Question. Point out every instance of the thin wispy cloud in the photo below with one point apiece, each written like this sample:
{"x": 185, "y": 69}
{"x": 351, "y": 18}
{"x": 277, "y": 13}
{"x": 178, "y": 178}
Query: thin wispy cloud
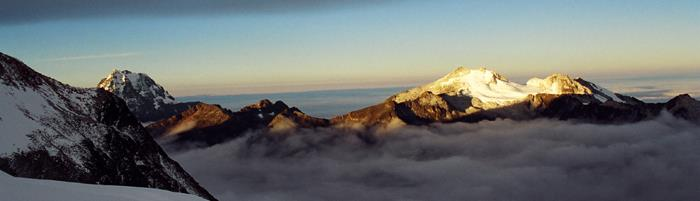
{"x": 95, "y": 56}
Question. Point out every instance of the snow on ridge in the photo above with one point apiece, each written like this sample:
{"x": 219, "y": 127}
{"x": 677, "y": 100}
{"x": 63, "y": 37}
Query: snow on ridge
{"x": 491, "y": 87}
{"x": 606, "y": 92}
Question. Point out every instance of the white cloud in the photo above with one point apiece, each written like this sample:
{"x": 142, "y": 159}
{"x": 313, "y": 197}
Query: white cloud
{"x": 500, "y": 160}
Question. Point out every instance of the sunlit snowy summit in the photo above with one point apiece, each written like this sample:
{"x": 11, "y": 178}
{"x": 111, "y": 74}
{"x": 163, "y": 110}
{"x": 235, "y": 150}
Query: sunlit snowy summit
{"x": 148, "y": 100}
{"x": 496, "y": 90}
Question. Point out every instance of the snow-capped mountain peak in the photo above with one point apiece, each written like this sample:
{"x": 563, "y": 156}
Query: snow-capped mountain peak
{"x": 496, "y": 90}
{"x": 136, "y": 86}
{"x": 146, "y": 99}
{"x": 557, "y": 84}
{"x": 481, "y": 75}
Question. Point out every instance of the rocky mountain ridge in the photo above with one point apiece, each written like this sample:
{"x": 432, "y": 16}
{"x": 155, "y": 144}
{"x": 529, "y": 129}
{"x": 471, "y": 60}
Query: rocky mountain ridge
{"x": 466, "y": 95}
{"x": 211, "y": 124}
{"x": 54, "y": 131}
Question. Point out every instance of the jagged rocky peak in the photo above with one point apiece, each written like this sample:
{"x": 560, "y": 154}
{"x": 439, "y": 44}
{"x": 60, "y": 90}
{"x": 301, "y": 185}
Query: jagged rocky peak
{"x": 208, "y": 124}
{"x": 683, "y": 99}
{"x": 684, "y": 106}
{"x": 558, "y": 84}
{"x": 133, "y": 87}
{"x": 495, "y": 90}
{"x": 49, "y": 130}
{"x": 292, "y": 119}
{"x": 266, "y": 105}
{"x": 148, "y": 100}
{"x": 201, "y": 115}
{"x": 483, "y": 74}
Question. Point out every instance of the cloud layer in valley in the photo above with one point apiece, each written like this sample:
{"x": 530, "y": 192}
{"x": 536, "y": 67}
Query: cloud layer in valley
{"x": 26, "y": 11}
{"x": 499, "y": 160}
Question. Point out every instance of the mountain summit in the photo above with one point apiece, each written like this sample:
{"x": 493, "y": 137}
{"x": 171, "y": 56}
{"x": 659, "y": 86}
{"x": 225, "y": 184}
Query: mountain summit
{"x": 138, "y": 87}
{"x": 496, "y": 91}
{"x": 146, "y": 99}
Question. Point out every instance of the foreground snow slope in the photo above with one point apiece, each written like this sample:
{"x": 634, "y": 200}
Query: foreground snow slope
{"x": 15, "y": 188}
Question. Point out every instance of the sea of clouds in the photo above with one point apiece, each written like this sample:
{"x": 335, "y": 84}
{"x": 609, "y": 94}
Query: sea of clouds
{"x": 497, "y": 160}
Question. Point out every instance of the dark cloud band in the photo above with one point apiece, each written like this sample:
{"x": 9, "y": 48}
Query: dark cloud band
{"x": 27, "y": 11}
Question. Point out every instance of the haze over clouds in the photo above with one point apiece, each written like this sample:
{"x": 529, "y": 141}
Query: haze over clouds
{"x": 499, "y": 160}
{"x": 22, "y": 11}
{"x": 659, "y": 88}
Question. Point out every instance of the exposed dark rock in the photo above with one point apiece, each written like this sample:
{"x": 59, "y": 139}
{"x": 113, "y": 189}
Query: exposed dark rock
{"x": 207, "y": 124}
{"x": 685, "y": 107}
{"x": 81, "y": 135}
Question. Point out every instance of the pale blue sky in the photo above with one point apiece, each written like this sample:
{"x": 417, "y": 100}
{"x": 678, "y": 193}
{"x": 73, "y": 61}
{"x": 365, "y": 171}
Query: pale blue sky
{"x": 349, "y": 46}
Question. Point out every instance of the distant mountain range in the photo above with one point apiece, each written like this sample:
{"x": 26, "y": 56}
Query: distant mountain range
{"x": 464, "y": 95}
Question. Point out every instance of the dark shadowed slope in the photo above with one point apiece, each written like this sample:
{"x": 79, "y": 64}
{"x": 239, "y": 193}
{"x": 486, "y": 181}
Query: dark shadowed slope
{"x": 54, "y": 131}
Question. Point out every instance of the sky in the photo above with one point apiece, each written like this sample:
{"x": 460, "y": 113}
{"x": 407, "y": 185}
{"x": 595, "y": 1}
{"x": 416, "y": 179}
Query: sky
{"x": 241, "y": 46}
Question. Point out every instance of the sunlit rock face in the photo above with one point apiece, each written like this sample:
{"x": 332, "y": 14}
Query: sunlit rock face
{"x": 207, "y": 124}
{"x": 291, "y": 119}
{"x": 200, "y": 116}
